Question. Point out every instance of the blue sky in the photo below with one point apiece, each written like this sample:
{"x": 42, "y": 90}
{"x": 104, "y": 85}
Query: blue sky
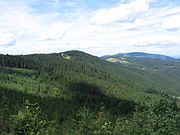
{"x": 97, "y": 27}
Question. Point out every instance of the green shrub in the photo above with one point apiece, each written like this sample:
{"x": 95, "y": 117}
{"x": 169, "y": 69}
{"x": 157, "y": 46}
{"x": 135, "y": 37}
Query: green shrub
{"x": 160, "y": 117}
{"x": 29, "y": 121}
{"x": 90, "y": 123}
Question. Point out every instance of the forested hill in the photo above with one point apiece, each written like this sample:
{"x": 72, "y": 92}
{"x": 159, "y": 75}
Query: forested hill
{"x": 142, "y": 54}
{"x": 132, "y": 72}
{"x": 83, "y": 94}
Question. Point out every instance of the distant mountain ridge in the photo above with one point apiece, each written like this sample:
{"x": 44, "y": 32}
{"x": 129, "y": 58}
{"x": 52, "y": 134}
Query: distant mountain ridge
{"x": 142, "y": 54}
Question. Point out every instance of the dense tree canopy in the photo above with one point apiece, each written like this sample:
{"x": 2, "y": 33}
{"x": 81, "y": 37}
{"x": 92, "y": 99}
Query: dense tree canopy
{"x": 85, "y": 95}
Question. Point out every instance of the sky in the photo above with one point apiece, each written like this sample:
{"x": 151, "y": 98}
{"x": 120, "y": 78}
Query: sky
{"x": 98, "y": 27}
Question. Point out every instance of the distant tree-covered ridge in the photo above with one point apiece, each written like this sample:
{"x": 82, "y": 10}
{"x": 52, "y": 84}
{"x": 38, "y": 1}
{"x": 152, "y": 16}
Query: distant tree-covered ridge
{"x": 74, "y": 93}
{"x": 142, "y": 54}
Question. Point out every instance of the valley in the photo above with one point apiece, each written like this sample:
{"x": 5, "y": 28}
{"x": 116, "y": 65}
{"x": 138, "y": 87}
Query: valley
{"x": 77, "y": 93}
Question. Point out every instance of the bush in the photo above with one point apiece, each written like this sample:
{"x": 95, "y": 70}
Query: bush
{"x": 160, "y": 117}
{"x": 29, "y": 121}
{"x": 90, "y": 123}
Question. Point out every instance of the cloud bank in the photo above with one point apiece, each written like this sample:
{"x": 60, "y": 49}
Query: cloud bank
{"x": 54, "y": 26}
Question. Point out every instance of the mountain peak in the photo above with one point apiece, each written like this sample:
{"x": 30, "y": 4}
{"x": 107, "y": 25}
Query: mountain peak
{"x": 143, "y": 54}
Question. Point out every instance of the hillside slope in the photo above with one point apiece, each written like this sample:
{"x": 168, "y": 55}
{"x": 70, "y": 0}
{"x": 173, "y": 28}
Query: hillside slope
{"x": 142, "y": 54}
{"x": 127, "y": 73}
{"x": 64, "y": 83}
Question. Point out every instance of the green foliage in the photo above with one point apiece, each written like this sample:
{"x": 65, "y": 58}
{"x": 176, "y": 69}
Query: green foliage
{"x": 4, "y": 116}
{"x": 159, "y": 117}
{"x": 89, "y": 123}
{"x": 159, "y": 74}
{"x": 29, "y": 121}
{"x": 62, "y": 86}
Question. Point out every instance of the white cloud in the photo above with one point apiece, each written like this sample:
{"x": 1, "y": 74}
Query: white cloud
{"x": 123, "y": 12}
{"x": 53, "y": 31}
{"x": 30, "y": 30}
{"x": 70, "y": 4}
{"x": 59, "y": 3}
{"x": 47, "y": 32}
{"x": 172, "y": 22}
{"x": 6, "y": 38}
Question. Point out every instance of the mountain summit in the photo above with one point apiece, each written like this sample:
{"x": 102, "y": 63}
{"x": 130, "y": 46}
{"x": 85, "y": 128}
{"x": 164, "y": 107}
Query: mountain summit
{"x": 142, "y": 54}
